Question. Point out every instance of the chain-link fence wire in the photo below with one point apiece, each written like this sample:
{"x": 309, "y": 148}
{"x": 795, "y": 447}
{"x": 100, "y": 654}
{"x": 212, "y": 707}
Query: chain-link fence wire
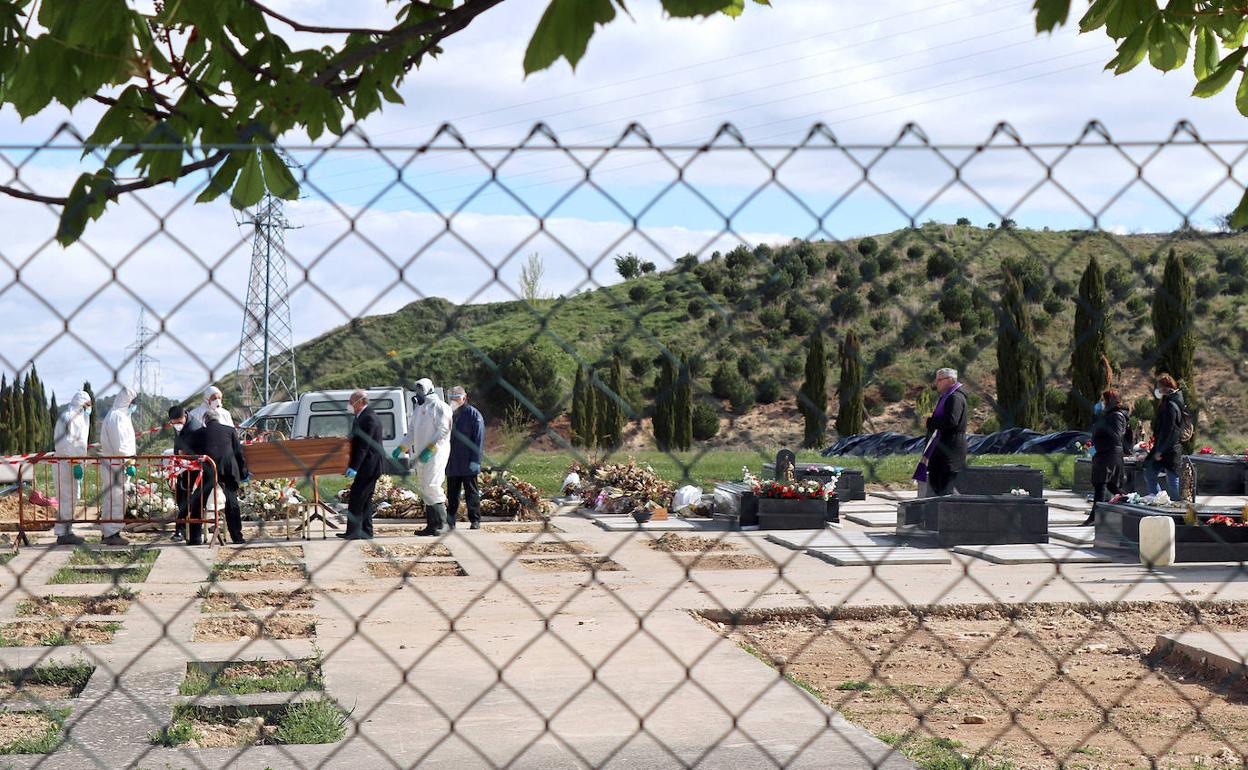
{"x": 733, "y": 320}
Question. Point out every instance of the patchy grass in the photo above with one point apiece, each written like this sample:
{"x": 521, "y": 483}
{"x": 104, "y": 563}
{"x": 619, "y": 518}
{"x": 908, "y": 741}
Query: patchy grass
{"x": 31, "y": 732}
{"x": 314, "y": 721}
{"x": 51, "y": 681}
{"x": 36, "y": 633}
{"x": 265, "y": 570}
{"x": 247, "y": 677}
{"x": 216, "y": 600}
{"x": 107, "y": 574}
{"x": 305, "y": 722}
{"x": 384, "y": 569}
{"x": 129, "y": 557}
{"x": 939, "y": 754}
{"x": 279, "y": 625}
{"x": 115, "y": 602}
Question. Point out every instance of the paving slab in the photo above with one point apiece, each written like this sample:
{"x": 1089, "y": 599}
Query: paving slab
{"x": 879, "y": 556}
{"x": 1060, "y": 518}
{"x": 1069, "y": 505}
{"x": 628, "y": 524}
{"x": 894, "y": 494}
{"x": 1225, "y": 653}
{"x": 1032, "y": 553}
{"x": 1076, "y": 535}
{"x": 887, "y": 519}
{"x": 804, "y": 539}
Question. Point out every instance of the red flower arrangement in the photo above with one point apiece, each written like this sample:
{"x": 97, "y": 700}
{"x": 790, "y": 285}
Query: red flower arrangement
{"x": 1206, "y": 450}
{"x": 1226, "y": 521}
{"x": 799, "y": 490}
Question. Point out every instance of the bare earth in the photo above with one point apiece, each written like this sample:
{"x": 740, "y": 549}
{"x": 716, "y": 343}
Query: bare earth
{"x": 1056, "y": 667}
{"x": 219, "y": 601}
{"x": 526, "y": 528}
{"x": 280, "y": 625}
{"x": 416, "y": 569}
{"x": 670, "y": 541}
{"x": 261, "y": 553}
{"x": 404, "y": 550}
{"x": 31, "y": 633}
{"x": 726, "y": 561}
{"x": 573, "y": 564}
{"x": 37, "y": 693}
{"x": 550, "y": 546}
{"x": 268, "y": 570}
{"x": 248, "y": 731}
{"x": 72, "y": 606}
{"x": 18, "y": 725}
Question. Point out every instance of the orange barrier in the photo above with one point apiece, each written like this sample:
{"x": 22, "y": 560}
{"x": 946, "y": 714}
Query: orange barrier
{"x": 115, "y": 490}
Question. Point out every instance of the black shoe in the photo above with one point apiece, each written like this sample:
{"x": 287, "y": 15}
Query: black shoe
{"x": 426, "y": 533}
{"x": 347, "y": 536}
{"x": 1090, "y": 521}
{"x": 475, "y": 525}
{"x": 177, "y": 537}
{"x": 239, "y": 541}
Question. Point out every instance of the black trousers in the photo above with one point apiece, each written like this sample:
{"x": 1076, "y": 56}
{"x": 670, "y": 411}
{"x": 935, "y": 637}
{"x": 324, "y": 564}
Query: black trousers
{"x": 360, "y": 507}
{"x": 472, "y": 498}
{"x": 233, "y": 512}
{"x": 941, "y": 480}
{"x": 190, "y": 502}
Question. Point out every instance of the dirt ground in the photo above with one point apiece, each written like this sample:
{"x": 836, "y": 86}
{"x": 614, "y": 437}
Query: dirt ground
{"x": 549, "y": 546}
{"x": 19, "y": 725}
{"x": 261, "y": 553}
{"x": 72, "y": 606}
{"x": 209, "y": 734}
{"x": 1055, "y": 670}
{"x": 526, "y": 528}
{"x": 268, "y": 570}
{"x": 385, "y": 569}
{"x": 34, "y": 633}
{"x": 219, "y": 601}
{"x": 280, "y": 625}
{"x": 9, "y": 692}
{"x": 404, "y": 550}
{"x": 725, "y": 561}
{"x": 670, "y": 541}
{"x": 573, "y": 564}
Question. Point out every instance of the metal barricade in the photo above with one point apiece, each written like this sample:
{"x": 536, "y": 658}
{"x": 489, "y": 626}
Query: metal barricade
{"x": 134, "y": 492}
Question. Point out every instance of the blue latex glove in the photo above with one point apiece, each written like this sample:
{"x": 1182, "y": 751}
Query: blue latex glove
{"x": 474, "y": 467}
{"x": 247, "y": 479}
{"x": 397, "y": 453}
{"x": 78, "y": 474}
{"x": 351, "y": 472}
{"x": 426, "y": 455}
{"x": 130, "y": 471}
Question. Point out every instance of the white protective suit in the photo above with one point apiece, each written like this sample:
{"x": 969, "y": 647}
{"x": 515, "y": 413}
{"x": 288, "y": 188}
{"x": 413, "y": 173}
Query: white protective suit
{"x": 429, "y": 424}
{"x": 116, "y": 439}
{"x": 195, "y": 417}
{"x": 70, "y": 435}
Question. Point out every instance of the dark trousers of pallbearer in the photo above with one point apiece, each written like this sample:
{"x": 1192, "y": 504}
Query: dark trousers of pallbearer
{"x": 472, "y": 499}
{"x": 190, "y": 501}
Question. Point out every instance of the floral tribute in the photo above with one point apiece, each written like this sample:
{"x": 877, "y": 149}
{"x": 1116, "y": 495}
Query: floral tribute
{"x": 808, "y": 489}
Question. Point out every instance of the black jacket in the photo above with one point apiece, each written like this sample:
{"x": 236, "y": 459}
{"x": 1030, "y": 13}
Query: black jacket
{"x": 1109, "y": 431}
{"x": 220, "y": 442}
{"x": 366, "y": 438}
{"x": 1166, "y": 428}
{"x": 951, "y": 446}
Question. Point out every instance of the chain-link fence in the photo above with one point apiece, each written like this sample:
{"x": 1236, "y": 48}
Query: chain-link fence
{"x": 642, "y": 574}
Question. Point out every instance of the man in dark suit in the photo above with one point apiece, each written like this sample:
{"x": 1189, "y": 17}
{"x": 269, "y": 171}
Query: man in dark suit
{"x": 948, "y": 421}
{"x": 188, "y": 496}
{"x": 220, "y": 442}
{"x": 467, "y": 438}
{"x": 365, "y": 468}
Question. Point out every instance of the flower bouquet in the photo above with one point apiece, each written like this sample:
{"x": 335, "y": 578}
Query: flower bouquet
{"x": 391, "y": 500}
{"x": 268, "y": 499}
{"x": 622, "y": 487}
{"x": 506, "y": 494}
{"x": 147, "y": 500}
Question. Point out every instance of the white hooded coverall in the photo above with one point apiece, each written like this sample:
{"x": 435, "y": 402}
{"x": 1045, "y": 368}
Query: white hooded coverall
{"x": 116, "y": 439}
{"x": 195, "y": 417}
{"x": 430, "y": 424}
{"x": 70, "y": 436}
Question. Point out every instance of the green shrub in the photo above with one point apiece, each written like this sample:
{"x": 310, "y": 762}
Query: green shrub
{"x": 741, "y": 396}
{"x": 705, "y": 421}
{"x": 768, "y": 390}
{"x": 723, "y": 379}
{"x": 889, "y": 261}
{"x": 877, "y": 294}
{"x": 940, "y": 264}
{"x": 712, "y": 280}
{"x": 914, "y": 252}
{"x": 695, "y": 307}
{"x": 868, "y": 269}
{"x": 771, "y": 316}
{"x": 892, "y": 390}
{"x": 868, "y": 246}
{"x": 801, "y": 321}
{"x": 639, "y": 292}
{"x": 1054, "y": 305}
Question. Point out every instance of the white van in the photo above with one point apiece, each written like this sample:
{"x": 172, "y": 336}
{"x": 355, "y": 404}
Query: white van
{"x": 324, "y": 413}
{"x": 277, "y": 417}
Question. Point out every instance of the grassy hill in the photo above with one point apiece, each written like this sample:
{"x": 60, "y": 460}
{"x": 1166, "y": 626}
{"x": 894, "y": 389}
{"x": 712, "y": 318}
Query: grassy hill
{"x": 918, "y": 299}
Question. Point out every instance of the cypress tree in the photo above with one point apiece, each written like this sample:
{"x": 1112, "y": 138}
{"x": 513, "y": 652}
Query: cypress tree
{"x": 1088, "y": 377}
{"x": 812, "y": 399}
{"x": 29, "y": 398}
{"x": 40, "y": 433}
{"x": 576, "y": 417}
{"x": 849, "y": 392}
{"x": 53, "y": 413}
{"x": 1172, "y": 326}
{"x": 93, "y": 432}
{"x": 682, "y": 418}
{"x": 1020, "y": 398}
{"x": 615, "y": 409}
{"x": 17, "y": 410}
{"x": 6, "y": 434}
{"x": 664, "y": 394}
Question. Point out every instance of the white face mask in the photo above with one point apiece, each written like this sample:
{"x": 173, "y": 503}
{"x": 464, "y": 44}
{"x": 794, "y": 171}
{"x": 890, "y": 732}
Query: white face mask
{"x": 215, "y": 403}
{"x": 1157, "y": 393}
{"x": 178, "y": 426}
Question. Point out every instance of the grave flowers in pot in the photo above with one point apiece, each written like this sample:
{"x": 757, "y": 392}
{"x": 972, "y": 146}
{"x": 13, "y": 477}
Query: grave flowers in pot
{"x": 784, "y": 504}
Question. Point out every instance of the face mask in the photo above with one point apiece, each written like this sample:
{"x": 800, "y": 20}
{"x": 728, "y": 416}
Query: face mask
{"x": 420, "y": 399}
{"x": 178, "y": 426}
{"x": 456, "y": 403}
{"x": 215, "y": 403}
{"x": 132, "y": 409}
{"x": 86, "y": 410}
{"x": 1098, "y": 408}
{"x": 1157, "y": 393}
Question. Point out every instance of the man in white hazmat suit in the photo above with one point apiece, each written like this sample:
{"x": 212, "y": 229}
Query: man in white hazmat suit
{"x": 116, "y": 440}
{"x": 212, "y": 400}
{"x": 428, "y": 441}
{"x": 70, "y": 434}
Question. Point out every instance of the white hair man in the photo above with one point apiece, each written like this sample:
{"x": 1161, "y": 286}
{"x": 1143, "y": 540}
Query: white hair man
{"x": 945, "y": 455}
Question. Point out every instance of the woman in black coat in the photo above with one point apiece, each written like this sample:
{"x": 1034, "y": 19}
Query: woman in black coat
{"x": 1109, "y": 440}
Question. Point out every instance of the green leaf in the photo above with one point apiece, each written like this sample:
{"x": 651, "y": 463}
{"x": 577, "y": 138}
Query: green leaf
{"x": 1130, "y": 51}
{"x": 277, "y": 176}
{"x": 1123, "y": 18}
{"x": 249, "y": 188}
{"x": 1167, "y": 44}
{"x": 1241, "y": 95}
{"x": 1239, "y": 217}
{"x": 688, "y": 8}
{"x": 564, "y": 31}
{"x": 1220, "y": 77}
{"x": 222, "y": 179}
{"x": 1051, "y": 14}
{"x": 1206, "y": 59}
{"x": 1096, "y": 15}
{"x": 86, "y": 201}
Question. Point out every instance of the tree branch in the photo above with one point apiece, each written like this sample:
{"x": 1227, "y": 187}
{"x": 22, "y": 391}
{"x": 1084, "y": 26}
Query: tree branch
{"x": 448, "y": 23}
{"x": 299, "y": 26}
{"x": 118, "y": 190}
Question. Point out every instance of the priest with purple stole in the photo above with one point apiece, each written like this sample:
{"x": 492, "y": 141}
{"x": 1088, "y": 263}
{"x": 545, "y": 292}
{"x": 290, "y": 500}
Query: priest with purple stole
{"x": 945, "y": 453}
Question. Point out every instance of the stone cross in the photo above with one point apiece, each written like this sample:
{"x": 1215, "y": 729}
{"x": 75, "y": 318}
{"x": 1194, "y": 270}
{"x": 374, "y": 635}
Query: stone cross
{"x": 785, "y": 464}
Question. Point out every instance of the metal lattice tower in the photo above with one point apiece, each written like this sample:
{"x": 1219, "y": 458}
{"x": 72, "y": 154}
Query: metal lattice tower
{"x": 266, "y": 356}
{"x": 146, "y": 376}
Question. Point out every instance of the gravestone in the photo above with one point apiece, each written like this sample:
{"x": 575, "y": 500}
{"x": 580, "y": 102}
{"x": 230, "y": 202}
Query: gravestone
{"x": 786, "y": 465}
{"x": 1132, "y": 481}
{"x": 959, "y": 519}
{"x": 851, "y": 484}
{"x": 1000, "y": 480}
{"x": 1118, "y": 526}
{"x": 736, "y": 504}
{"x": 1219, "y": 475}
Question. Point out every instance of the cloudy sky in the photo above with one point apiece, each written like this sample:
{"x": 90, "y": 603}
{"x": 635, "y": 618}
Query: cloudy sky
{"x": 955, "y": 69}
